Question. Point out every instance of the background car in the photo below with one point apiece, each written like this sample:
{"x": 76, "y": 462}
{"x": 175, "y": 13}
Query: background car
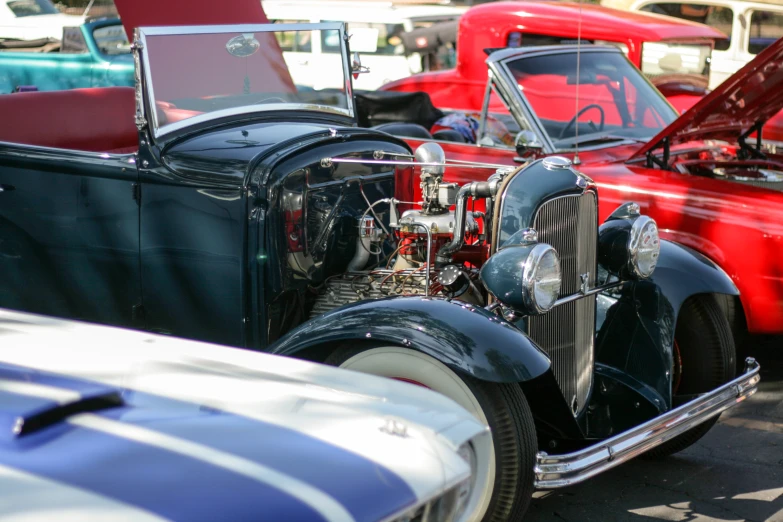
{"x": 382, "y": 22}
{"x": 101, "y": 423}
{"x": 750, "y": 26}
{"x": 255, "y": 212}
{"x": 95, "y": 54}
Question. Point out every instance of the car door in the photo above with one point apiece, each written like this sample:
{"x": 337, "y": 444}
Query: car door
{"x": 69, "y": 233}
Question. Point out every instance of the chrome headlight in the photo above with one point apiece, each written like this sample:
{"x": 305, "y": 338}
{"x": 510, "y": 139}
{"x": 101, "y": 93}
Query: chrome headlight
{"x": 628, "y": 243}
{"x": 524, "y": 277}
{"x": 644, "y": 247}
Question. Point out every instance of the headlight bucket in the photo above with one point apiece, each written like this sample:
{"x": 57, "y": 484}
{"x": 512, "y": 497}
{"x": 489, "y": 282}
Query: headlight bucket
{"x": 524, "y": 277}
{"x": 628, "y": 244}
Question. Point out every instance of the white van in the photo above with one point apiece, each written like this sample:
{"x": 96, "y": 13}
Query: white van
{"x": 384, "y": 20}
{"x": 750, "y": 26}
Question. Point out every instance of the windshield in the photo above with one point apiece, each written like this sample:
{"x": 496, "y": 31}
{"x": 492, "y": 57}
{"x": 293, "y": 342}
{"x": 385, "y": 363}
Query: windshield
{"x": 615, "y": 100}
{"x": 31, "y": 7}
{"x": 194, "y": 74}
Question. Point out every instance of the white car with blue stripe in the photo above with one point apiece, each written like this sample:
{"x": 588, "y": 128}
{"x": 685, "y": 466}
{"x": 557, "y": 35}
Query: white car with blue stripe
{"x": 99, "y": 423}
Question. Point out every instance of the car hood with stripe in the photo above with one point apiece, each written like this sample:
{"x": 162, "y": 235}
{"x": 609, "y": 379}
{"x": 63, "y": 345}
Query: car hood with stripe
{"x": 200, "y": 429}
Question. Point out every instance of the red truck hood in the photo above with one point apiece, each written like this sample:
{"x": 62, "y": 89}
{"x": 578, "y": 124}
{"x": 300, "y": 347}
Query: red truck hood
{"x": 148, "y": 13}
{"x": 753, "y": 94}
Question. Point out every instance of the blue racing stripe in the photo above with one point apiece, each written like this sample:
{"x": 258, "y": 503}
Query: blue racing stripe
{"x": 367, "y": 490}
{"x": 165, "y": 483}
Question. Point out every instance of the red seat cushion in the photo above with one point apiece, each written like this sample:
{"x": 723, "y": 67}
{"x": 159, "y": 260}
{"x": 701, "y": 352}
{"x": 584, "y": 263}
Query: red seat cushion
{"x": 100, "y": 119}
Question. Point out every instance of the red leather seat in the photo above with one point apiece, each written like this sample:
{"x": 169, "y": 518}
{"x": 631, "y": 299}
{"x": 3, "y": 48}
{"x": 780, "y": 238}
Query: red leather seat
{"x": 99, "y": 119}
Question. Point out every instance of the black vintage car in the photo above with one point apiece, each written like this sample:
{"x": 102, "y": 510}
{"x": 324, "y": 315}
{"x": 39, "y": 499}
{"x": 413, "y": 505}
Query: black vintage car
{"x": 232, "y": 198}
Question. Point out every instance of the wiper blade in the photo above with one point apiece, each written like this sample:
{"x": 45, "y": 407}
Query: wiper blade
{"x": 611, "y": 137}
{"x": 603, "y": 138}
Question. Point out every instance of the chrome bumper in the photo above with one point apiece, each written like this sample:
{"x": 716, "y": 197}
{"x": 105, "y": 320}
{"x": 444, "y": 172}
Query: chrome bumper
{"x": 556, "y": 471}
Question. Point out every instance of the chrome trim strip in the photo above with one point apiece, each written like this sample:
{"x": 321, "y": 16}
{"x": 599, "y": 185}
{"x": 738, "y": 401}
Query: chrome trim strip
{"x": 556, "y": 471}
{"x": 592, "y": 291}
{"x": 467, "y": 165}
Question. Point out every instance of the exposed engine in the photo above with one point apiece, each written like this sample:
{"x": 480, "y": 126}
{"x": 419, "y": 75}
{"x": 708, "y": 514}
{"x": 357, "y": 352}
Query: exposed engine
{"x": 728, "y": 163}
{"x": 438, "y": 251}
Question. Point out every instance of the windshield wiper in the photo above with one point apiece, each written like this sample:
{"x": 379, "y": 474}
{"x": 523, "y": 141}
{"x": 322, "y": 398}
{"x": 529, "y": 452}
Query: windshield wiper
{"x": 601, "y": 139}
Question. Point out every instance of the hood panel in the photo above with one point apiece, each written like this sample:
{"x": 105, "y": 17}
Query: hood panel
{"x": 209, "y": 387}
{"x": 753, "y": 94}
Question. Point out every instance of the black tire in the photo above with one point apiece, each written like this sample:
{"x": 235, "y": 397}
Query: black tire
{"x": 707, "y": 359}
{"x": 507, "y": 413}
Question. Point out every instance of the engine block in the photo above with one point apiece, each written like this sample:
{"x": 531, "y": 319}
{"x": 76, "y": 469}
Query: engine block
{"x": 350, "y": 287}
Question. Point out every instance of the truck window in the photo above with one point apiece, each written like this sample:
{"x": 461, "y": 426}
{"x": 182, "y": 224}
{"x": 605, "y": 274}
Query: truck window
{"x": 519, "y": 39}
{"x": 111, "y": 40}
{"x": 765, "y": 28}
{"x": 389, "y": 41}
{"x": 715, "y": 16}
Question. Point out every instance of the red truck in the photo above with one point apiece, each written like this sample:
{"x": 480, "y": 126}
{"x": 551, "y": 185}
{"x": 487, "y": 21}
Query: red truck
{"x": 674, "y": 54}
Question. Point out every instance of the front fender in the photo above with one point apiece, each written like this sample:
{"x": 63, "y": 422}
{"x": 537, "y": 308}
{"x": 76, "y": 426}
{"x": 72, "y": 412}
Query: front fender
{"x": 636, "y": 324}
{"x": 468, "y": 339}
{"x": 682, "y": 272}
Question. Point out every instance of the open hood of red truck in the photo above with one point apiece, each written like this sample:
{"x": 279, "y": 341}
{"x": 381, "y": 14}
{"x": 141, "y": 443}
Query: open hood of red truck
{"x": 751, "y": 96}
{"x": 148, "y": 13}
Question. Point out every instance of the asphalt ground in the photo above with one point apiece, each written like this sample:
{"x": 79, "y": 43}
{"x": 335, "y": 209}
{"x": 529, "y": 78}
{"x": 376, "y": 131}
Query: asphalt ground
{"x": 735, "y": 473}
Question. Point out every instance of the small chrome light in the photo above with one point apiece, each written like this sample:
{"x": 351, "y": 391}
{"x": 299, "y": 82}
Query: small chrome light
{"x": 524, "y": 277}
{"x": 644, "y": 247}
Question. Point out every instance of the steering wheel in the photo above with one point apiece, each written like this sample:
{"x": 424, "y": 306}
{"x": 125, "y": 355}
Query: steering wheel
{"x": 573, "y": 120}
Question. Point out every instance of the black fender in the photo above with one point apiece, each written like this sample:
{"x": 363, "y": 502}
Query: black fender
{"x": 636, "y": 325}
{"x": 682, "y": 272}
{"x": 466, "y": 338}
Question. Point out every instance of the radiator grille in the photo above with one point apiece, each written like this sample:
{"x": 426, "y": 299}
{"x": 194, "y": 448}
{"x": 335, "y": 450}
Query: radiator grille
{"x": 567, "y": 332}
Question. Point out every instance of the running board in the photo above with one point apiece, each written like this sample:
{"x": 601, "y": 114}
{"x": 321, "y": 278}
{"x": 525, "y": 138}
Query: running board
{"x": 557, "y": 471}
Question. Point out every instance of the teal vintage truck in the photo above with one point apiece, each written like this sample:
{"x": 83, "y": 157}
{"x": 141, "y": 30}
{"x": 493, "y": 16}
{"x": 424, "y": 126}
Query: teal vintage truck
{"x": 95, "y": 54}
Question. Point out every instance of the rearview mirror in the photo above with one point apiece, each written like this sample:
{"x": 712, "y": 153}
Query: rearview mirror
{"x": 527, "y": 143}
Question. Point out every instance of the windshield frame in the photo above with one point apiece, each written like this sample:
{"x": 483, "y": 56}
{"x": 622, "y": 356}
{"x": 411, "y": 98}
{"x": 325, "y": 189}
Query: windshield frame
{"x": 521, "y": 108}
{"x": 149, "y": 91}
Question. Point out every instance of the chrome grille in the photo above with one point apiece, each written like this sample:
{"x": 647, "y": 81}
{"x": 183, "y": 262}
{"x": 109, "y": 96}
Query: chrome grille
{"x": 567, "y": 332}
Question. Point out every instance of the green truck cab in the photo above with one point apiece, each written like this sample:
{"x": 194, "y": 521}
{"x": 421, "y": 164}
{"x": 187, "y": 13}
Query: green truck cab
{"x": 95, "y": 54}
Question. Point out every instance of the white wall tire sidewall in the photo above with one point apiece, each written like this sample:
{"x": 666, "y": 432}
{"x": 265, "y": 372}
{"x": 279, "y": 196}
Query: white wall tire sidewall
{"x": 396, "y": 362}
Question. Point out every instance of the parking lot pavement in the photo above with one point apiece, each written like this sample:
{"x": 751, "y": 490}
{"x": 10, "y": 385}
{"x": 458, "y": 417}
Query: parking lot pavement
{"x": 735, "y": 473}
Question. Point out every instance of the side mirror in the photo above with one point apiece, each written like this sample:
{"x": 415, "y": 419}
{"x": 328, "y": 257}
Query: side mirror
{"x": 356, "y": 66}
{"x": 526, "y": 143}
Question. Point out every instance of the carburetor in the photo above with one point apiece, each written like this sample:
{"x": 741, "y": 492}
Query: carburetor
{"x": 434, "y": 223}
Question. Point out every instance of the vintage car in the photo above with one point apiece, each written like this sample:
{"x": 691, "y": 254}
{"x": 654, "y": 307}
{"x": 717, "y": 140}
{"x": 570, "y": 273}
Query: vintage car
{"x": 704, "y": 176}
{"x": 673, "y": 54}
{"x": 33, "y": 19}
{"x": 95, "y": 54}
{"x": 100, "y": 424}
{"x": 224, "y": 200}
